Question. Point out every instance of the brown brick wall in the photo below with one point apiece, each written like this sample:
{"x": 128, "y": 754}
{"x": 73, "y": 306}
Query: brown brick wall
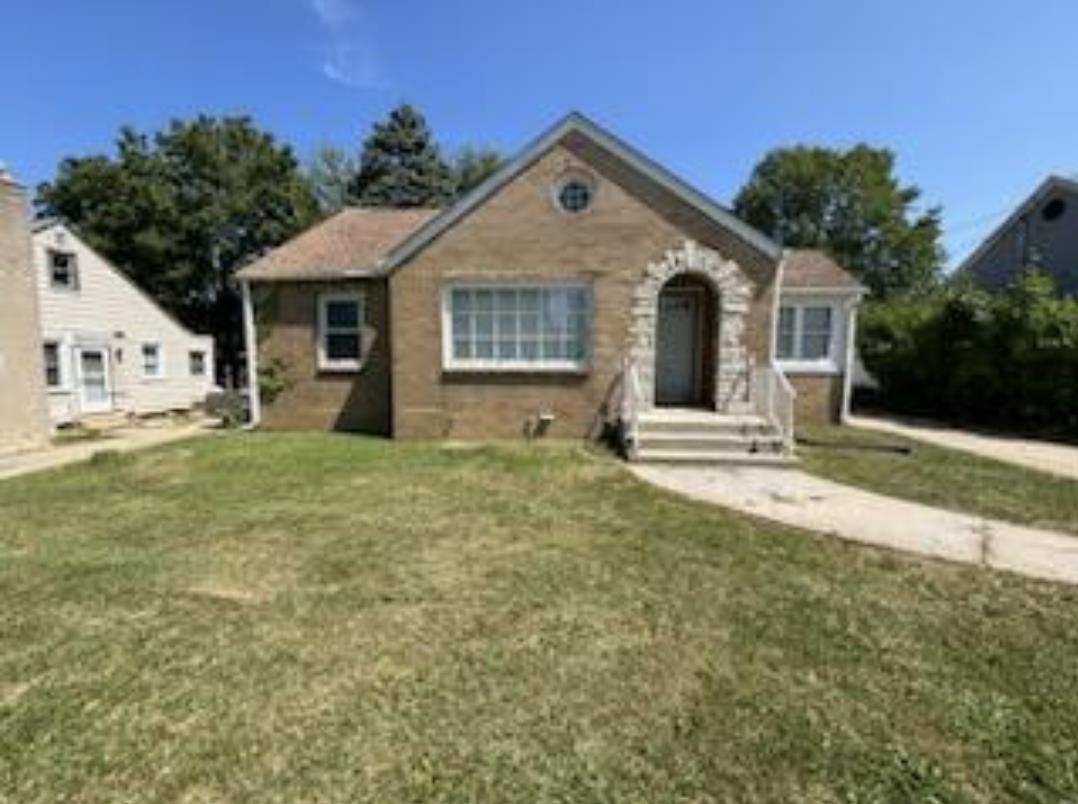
{"x": 819, "y": 398}
{"x": 287, "y": 321}
{"x": 520, "y": 234}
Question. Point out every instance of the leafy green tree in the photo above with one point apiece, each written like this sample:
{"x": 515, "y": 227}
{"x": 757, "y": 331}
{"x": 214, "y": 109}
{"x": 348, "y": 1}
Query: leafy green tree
{"x": 472, "y": 166}
{"x": 850, "y": 203}
{"x": 180, "y": 211}
{"x": 330, "y": 172}
{"x": 401, "y": 165}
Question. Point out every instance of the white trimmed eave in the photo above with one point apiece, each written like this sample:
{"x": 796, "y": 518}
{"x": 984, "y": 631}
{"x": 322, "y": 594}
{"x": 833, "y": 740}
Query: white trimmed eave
{"x": 577, "y": 123}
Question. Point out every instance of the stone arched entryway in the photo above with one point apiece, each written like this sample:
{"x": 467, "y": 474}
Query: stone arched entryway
{"x": 728, "y": 365}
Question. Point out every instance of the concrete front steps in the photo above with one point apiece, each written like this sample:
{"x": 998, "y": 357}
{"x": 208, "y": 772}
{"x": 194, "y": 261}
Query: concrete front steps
{"x": 687, "y": 436}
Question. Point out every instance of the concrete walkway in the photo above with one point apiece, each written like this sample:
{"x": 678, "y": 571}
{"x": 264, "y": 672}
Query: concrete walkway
{"x": 796, "y": 498}
{"x": 1059, "y": 459}
{"x": 124, "y": 439}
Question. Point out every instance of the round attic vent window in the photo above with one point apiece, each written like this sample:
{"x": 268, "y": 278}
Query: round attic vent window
{"x": 575, "y": 195}
{"x": 1054, "y": 209}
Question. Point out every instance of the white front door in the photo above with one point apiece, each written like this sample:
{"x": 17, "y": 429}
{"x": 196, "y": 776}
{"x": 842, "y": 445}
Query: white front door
{"x": 677, "y": 349}
{"x": 92, "y": 367}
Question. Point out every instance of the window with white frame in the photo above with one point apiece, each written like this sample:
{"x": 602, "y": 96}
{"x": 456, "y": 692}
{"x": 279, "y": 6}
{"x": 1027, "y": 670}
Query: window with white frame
{"x": 63, "y": 269}
{"x": 151, "y": 360}
{"x": 54, "y": 376}
{"x": 806, "y": 333}
{"x": 196, "y": 361}
{"x": 340, "y": 325}
{"x": 543, "y": 327}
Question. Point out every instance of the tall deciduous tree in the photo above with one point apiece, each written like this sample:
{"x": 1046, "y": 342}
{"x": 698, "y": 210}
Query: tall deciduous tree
{"x": 181, "y": 210}
{"x": 401, "y": 165}
{"x": 850, "y": 203}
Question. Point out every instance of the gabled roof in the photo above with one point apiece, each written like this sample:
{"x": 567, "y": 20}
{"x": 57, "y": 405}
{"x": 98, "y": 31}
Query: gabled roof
{"x": 576, "y": 123}
{"x": 1052, "y": 184}
{"x": 814, "y": 269}
{"x": 349, "y": 243}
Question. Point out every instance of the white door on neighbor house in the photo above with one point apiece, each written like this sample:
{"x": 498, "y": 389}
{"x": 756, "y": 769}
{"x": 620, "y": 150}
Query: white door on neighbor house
{"x": 92, "y": 377}
{"x": 677, "y": 347}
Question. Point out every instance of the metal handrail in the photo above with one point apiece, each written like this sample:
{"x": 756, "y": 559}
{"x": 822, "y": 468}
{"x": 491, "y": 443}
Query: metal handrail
{"x": 773, "y": 398}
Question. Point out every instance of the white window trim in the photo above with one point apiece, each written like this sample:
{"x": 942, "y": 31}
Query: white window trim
{"x": 513, "y": 366}
{"x": 160, "y": 375}
{"x": 64, "y": 386}
{"x": 325, "y": 362}
{"x": 191, "y": 353}
{"x": 73, "y": 270}
{"x": 830, "y": 364}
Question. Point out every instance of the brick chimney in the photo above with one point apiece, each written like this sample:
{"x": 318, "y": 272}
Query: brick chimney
{"x": 24, "y": 420}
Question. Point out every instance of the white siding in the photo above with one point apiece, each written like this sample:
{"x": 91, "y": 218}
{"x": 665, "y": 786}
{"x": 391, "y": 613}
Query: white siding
{"x": 107, "y": 310}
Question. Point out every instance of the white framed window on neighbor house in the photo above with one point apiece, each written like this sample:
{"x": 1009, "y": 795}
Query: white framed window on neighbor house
{"x": 196, "y": 362}
{"x": 807, "y": 336}
{"x": 340, "y": 331}
{"x": 63, "y": 269}
{"x": 516, "y": 327}
{"x": 54, "y": 370}
{"x": 153, "y": 362}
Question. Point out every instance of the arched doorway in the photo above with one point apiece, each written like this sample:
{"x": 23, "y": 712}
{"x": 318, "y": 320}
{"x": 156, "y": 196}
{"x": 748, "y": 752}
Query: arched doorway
{"x": 685, "y": 342}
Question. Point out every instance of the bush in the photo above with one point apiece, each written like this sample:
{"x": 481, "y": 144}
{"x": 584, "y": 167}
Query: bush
{"x": 1007, "y": 358}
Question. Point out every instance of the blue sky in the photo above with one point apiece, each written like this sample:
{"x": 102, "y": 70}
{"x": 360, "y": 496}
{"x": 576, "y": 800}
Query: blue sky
{"x": 978, "y": 99}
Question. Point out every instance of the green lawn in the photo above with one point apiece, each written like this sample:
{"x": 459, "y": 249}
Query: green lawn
{"x": 942, "y": 477}
{"x": 320, "y": 618}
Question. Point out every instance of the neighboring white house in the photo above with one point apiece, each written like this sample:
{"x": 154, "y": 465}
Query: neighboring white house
{"x": 108, "y": 347}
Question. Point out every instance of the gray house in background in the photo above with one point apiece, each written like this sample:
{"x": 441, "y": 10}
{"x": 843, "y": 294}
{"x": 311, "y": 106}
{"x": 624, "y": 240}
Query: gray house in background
{"x": 1042, "y": 232}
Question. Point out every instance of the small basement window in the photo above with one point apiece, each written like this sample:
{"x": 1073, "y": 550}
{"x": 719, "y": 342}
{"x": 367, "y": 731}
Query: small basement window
{"x": 63, "y": 270}
{"x": 340, "y": 323}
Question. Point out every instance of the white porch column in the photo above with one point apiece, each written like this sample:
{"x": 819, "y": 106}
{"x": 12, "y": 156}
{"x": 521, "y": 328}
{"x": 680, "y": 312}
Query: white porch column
{"x": 250, "y": 343}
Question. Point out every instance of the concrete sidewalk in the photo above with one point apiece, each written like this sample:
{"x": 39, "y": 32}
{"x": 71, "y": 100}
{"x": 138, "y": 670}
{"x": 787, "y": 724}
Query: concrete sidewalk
{"x": 124, "y": 439}
{"x": 1045, "y": 456}
{"x": 796, "y": 498}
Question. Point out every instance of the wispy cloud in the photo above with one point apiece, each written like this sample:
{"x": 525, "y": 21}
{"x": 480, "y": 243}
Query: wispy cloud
{"x": 348, "y": 56}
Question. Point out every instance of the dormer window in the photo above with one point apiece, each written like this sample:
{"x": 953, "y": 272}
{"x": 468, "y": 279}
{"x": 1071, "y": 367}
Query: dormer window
{"x": 63, "y": 270}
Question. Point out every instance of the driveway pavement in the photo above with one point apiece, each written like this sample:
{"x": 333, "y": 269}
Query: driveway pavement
{"x": 796, "y": 498}
{"x": 122, "y": 439}
{"x": 1059, "y": 459}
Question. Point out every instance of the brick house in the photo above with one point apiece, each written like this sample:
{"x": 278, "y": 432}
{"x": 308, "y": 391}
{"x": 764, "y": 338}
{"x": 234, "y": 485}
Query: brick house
{"x": 581, "y": 288}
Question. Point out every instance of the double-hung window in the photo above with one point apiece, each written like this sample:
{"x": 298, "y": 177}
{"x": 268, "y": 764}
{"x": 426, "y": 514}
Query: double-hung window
{"x": 63, "y": 270}
{"x": 151, "y": 360}
{"x": 54, "y": 375}
{"x": 517, "y": 327}
{"x": 196, "y": 363}
{"x": 340, "y": 325}
{"x": 806, "y": 334}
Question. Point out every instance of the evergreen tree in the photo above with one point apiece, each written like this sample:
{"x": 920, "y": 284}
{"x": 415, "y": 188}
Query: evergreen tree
{"x": 473, "y": 166}
{"x": 401, "y": 165}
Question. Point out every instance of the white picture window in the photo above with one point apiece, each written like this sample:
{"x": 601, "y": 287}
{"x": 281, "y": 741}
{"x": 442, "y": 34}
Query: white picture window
{"x": 340, "y": 325}
{"x": 505, "y": 327}
{"x": 63, "y": 270}
{"x": 54, "y": 375}
{"x": 152, "y": 364}
{"x": 806, "y": 333}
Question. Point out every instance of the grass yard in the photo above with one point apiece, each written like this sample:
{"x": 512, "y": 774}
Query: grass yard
{"x": 324, "y": 618}
{"x": 943, "y": 477}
